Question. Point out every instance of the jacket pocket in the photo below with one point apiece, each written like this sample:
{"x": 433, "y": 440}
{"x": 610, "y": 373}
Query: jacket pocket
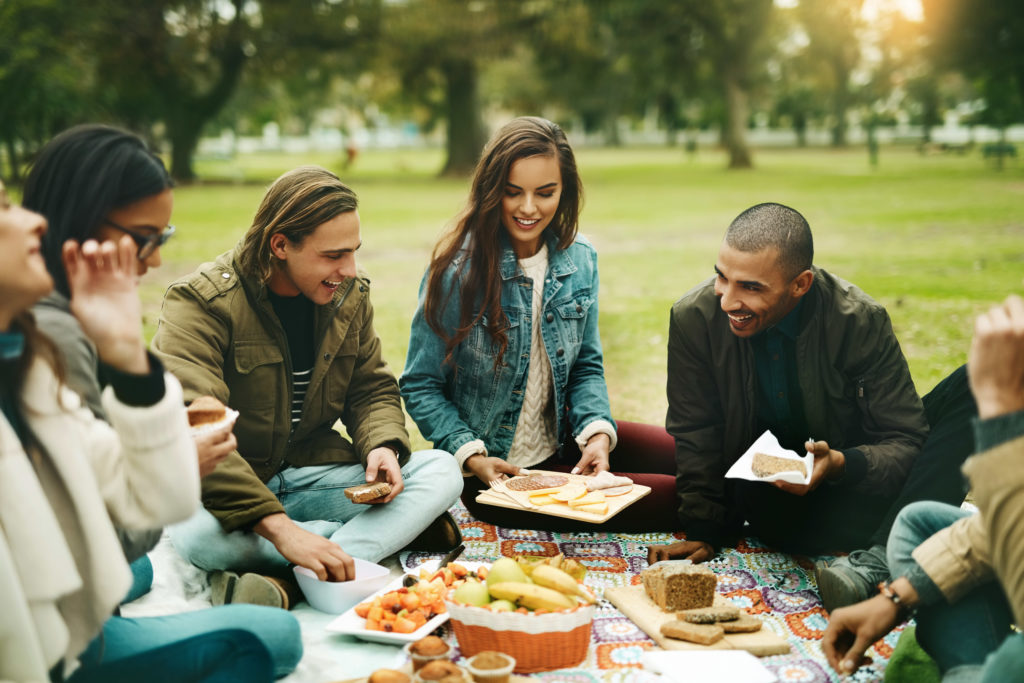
{"x": 477, "y": 382}
{"x": 573, "y": 317}
{"x": 260, "y": 369}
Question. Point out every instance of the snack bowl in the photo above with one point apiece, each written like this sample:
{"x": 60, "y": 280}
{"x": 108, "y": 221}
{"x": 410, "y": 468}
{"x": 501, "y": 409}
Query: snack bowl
{"x": 334, "y": 597}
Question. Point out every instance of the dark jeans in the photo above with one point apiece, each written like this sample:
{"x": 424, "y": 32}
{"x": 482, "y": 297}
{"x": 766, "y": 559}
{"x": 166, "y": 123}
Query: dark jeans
{"x": 834, "y": 519}
{"x": 645, "y": 453}
{"x": 224, "y": 656}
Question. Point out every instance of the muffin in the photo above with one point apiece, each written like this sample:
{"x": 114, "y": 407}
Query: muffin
{"x": 388, "y": 676}
{"x": 491, "y": 667}
{"x": 442, "y": 671}
{"x": 426, "y": 650}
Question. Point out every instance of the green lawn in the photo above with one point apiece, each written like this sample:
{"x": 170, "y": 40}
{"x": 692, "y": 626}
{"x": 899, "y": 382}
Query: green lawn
{"x": 936, "y": 239}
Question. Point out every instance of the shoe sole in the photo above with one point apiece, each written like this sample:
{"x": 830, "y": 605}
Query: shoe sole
{"x": 253, "y": 589}
{"x": 222, "y": 586}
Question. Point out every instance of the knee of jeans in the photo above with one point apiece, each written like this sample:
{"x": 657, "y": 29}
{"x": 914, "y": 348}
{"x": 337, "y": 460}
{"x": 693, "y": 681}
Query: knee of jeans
{"x": 440, "y": 468}
{"x": 278, "y": 630}
{"x": 192, "y": 538}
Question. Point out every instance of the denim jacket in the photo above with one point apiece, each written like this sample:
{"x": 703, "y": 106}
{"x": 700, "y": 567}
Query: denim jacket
{"x": 455, "y": 403}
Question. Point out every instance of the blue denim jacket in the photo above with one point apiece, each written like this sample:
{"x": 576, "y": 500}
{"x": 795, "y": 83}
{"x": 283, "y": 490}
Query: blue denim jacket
{"x": 452, "y": 408}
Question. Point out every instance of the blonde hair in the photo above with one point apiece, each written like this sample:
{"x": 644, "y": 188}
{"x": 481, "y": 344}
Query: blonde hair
{"x": 296, "y": 204}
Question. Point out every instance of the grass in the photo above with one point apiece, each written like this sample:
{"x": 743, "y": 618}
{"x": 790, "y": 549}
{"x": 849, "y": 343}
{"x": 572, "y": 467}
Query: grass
{"x": 935, "y": 239}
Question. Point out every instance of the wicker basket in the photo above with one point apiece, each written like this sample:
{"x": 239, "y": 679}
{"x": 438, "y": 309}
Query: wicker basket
{"x": 539, "y": 642}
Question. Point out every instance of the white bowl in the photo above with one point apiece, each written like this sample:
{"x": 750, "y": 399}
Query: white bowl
{"x": 334, "y": 597}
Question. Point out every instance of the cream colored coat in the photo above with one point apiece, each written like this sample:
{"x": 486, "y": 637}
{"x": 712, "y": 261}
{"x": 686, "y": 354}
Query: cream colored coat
{"x": 62, "y": 572}
{"x": 989, "y": 544}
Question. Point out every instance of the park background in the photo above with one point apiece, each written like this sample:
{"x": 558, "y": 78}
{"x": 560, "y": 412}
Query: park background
{"x": 892, "y": 125}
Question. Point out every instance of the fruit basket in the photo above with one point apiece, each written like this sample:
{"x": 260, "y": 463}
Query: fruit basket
{"x": 538, "y": 642}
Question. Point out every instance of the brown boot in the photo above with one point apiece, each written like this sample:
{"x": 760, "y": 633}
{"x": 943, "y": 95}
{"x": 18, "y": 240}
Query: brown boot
{"x": 271, "y": 591}
{"x": 442, "y": 535}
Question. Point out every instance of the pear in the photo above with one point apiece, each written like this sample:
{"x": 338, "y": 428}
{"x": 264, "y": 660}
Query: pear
{"x": 506, "y": 569}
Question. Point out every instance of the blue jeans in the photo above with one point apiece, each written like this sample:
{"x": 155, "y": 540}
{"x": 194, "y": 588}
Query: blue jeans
{"x": 955, "y": 635}
{"x": 221, "y": 657}
{"x": 277, "y": 630}
{"x": 142, "y": 579}
{"x": 313, "y": 497}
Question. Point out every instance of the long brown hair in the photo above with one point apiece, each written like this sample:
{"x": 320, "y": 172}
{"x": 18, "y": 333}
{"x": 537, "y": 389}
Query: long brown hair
{"x": 296, "y": 204}
{"x": 478, "y": 231}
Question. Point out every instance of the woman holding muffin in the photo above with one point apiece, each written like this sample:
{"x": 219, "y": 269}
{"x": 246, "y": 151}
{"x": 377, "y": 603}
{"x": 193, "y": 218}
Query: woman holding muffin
{"x": 505, "y": 368}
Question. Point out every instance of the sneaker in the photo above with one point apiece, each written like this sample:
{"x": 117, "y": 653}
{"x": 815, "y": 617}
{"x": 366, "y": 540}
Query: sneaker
{"x": 441, "y": 536}
{"x": 848, "y": 580}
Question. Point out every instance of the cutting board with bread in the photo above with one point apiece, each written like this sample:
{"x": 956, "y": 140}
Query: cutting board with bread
{"x": 679, "y": 607}
{"x": 593, "y": 499}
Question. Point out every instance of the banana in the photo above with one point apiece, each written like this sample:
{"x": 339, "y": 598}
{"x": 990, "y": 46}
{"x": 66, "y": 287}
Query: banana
{"x": 531, "y": 595}
{"x": 552, "y": 577}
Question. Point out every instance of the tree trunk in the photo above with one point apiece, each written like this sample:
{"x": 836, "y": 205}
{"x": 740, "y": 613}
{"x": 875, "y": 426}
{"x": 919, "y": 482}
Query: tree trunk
{"x": 184, "y": 132}
{"x": 465, "y": 129}
{"x": 840, "y": 103}
{"x": 734, "y": 135}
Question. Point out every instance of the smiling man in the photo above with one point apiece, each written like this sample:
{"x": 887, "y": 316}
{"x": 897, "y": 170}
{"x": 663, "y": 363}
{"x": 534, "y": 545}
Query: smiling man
{"x": 772, "y": 342}
{"x": 281, "y": 329}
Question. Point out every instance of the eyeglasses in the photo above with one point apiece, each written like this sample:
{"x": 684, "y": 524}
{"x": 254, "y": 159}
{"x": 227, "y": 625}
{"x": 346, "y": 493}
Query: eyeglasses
{"x": 147, "y": 243}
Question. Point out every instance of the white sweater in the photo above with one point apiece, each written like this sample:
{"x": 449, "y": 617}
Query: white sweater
{"x": 61, "y": 566}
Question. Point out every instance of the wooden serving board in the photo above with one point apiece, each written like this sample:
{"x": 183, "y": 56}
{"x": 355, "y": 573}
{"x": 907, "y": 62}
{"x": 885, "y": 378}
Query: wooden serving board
{"x": 520, "y": 500}
{"x": 634, "y": 602}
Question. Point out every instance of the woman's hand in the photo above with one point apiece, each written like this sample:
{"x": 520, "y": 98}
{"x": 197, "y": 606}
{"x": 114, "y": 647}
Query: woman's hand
{"x": 595, "y": 455}
{"x": 104, "y": 297}
{"x": 488, "y": 469}
{"x": 212, "y": 447}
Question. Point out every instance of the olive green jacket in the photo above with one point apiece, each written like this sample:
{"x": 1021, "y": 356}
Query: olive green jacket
{"x": 219, "y": 335}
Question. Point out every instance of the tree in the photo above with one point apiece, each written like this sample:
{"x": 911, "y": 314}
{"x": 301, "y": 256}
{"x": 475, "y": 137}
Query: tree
{"x": 439, "y": 48}
{"x": 833, "y": 29}
{"x": 730, "y": 34}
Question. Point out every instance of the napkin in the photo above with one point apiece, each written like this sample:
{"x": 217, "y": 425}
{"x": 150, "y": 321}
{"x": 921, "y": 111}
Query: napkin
{"x": 768, "y": 444}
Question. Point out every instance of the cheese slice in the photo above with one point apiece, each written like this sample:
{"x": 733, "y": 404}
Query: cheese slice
{"x": 542, "y": 492}
{"x": 596, "y": 508}
{"x": 570, "y": 492}
{"x": 543, "y": 499}
{"x": 591, "y": 498}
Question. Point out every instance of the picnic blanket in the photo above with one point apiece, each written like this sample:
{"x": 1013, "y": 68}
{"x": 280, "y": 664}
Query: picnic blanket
{"x": 779, "y": 588}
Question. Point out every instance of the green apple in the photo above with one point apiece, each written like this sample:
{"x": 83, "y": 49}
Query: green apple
{"x": 502, "y": 606}
{"x": 472, "y": 592}
{"x": 506, "y": 569}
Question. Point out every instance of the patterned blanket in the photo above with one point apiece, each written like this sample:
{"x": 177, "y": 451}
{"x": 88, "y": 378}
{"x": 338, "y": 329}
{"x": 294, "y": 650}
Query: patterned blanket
{"x": 779, "y": 588}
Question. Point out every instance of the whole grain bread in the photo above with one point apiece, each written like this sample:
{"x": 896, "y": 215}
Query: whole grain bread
{"x": 709, "y": 615}
{"x": 702, "y": 634}
{"x": 765, "y": 465}
{"x": 367, "y": 492}
{"x": 746, "y": 623}
{"x": 676, "y": 586}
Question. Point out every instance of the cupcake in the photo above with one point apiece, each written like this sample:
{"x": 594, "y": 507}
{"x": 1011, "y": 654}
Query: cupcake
{"x": 491, "y": 667}
{"x": 441, "y": 671}
{"x": 426, "y": 650}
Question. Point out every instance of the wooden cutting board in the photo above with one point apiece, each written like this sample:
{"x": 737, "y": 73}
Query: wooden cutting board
{"x": 520, "y": 500}
{"x": 634, "y": 602}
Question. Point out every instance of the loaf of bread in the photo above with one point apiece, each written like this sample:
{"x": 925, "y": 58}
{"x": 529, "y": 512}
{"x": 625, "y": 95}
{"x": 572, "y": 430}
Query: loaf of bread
{"x": 205, "y": 410}
{"x": 677, "y": 586}
{"x": 367, "y": 492}
{"x": 765, "y": 465}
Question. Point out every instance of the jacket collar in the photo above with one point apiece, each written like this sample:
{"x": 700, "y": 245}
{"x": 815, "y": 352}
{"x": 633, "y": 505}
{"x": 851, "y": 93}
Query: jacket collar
{"x": 560, "y": 263}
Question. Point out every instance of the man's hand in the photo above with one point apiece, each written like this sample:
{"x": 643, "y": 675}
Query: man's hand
{"x": 488, "y": 469}
{"x": 316, "y": 553}
{"x": 828, "y": 464}
{"x": 212, "y": 447}
{"x": 382, "y": 465}
{"x": 595, "y": 455}
{"x": 851, "y": 631}
{"x": 995, "y": 363}
{"x": 104, "y": 297}
{"x": 695, "y": 551}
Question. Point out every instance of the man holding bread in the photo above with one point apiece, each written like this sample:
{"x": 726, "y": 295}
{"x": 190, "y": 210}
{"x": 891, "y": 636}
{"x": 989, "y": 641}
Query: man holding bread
{"x": 281, "y": 330}
{"x": 772, "y": 342}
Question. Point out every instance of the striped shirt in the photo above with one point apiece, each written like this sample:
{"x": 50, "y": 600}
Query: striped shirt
{"x": 298, "y": 317}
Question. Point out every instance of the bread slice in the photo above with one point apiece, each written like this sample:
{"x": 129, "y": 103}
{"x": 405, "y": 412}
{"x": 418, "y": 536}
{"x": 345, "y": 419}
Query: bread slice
{"x": 367, "y": 492}
{"x": 702, "y": 634}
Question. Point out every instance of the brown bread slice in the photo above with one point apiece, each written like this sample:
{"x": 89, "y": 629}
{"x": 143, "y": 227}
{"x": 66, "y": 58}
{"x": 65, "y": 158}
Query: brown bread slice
{"x": 702, "y": 634}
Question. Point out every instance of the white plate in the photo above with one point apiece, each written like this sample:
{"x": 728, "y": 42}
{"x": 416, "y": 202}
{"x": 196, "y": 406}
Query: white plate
{"x": 351, "y": 624}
